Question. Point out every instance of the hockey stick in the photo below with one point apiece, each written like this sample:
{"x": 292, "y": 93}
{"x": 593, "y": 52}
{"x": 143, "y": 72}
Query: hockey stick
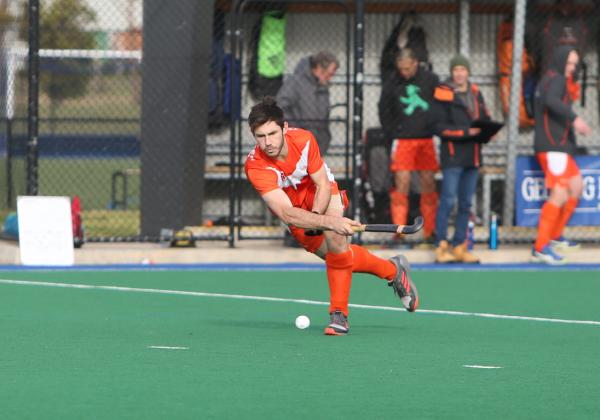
{"x": 404, "y": 229}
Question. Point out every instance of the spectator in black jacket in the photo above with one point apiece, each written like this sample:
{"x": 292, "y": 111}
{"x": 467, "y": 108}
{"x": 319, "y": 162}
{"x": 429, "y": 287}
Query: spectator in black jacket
{"x": 554, "y": 144}
{"x": 458, "y": 103}
{"x": 404, "y": 112}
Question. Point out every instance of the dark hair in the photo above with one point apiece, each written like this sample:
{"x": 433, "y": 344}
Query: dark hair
{"x": 406, "y": 53}
{"x": 265, "y": 111}
{"x": 323, "y": 59}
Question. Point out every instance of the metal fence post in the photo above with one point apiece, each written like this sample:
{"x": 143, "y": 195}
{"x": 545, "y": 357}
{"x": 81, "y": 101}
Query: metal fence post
{"x": 463, "y": 29}
{"x": 359, "y": 35}
{"x": 9, "y": 112}
{"x": 33, "y": 82}
{"x": 513, "y": 112}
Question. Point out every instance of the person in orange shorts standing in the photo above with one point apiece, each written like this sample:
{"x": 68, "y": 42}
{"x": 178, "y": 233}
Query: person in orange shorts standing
{"x": 554, "y": 145}
{"x": 286, "y": 169}
{"x": 404, "y": 113}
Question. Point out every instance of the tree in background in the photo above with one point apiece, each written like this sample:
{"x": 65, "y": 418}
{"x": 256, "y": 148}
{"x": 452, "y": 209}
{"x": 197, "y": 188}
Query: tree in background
{"x": 63, "y": 25}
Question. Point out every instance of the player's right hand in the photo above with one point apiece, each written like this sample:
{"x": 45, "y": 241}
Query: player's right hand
{"x": 581, "y": 127}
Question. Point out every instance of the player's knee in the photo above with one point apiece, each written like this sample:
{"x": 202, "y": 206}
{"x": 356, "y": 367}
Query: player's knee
{"x": 336, "y": 243}
{"x": 576, "y": 187}
{"x": 402, "y": 181}
{"x": 559, "y": 196}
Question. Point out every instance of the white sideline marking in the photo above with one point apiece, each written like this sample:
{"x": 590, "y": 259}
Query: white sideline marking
{"x": 168, "y": 348}
{"x": 304, "y": 301}
{"x": 482, "y": 367}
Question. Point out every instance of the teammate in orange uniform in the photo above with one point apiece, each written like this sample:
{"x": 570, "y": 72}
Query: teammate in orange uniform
{"x": 554, "y": 145}
{"x": 286, "y": 169}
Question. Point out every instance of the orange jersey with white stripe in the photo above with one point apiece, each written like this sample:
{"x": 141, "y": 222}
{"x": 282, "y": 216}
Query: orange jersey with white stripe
{"x": 293, "y": 174}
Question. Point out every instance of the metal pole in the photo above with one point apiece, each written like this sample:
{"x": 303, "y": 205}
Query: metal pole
{"x": 233, "y": 123}
{"x": 463, "y": 29}
{"x": 11, "y": 60}
{"x": 513, "y": 112}
{"x": 9, "y": 180}
{"x": 32, "y": 107}
{"x": 348, "y": 159}
{"x": 359, "y": 54}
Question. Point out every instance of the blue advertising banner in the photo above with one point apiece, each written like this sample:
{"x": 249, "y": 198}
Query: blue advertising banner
{"x": 530, "y": 192}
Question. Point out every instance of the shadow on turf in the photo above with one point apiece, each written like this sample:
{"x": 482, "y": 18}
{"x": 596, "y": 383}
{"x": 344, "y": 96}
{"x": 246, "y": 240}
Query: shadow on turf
{"x": 401, "y": 326}
{"x": 253, "y": 324}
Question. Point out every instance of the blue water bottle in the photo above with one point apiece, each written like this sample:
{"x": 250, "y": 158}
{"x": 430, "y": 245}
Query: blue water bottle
{"x": 470, "y": 235}
{"x": 494, "y": 232}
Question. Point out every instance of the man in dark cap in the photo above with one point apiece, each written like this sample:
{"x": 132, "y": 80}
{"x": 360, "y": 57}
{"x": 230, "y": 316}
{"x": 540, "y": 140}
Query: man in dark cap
{"x": 404, "y": 113}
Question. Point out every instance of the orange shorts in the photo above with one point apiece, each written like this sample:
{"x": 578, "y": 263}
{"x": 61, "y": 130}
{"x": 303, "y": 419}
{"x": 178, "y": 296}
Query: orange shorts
{"x": 312, "y": 243}
{"x": 558, "y": 168}
{"x": 413, "y": 155}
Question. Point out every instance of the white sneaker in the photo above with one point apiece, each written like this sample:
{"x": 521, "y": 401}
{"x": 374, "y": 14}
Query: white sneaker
{"x": 563, "y": 244}
{"x": 547, "y": 256}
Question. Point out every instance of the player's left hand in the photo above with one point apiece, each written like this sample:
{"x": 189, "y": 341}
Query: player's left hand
{"x": 343, "y": 226}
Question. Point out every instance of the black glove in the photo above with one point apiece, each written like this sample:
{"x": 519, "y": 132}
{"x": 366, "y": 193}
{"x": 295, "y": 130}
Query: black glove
{"x": 313, "y": 232}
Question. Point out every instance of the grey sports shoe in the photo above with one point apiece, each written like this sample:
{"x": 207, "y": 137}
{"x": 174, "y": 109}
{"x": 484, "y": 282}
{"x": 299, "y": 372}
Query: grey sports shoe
{"x": 338, "y": 324}
{"x": 403, "y": 286}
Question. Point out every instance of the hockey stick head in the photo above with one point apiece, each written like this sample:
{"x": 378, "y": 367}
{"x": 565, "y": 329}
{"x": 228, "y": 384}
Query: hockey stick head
{"x": 414, "y": 228}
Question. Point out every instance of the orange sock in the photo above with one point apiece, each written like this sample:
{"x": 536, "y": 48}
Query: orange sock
{"x": 339, "y": 276}
{"x": 548, "y": 219}
{"x": 365, "y": 262}
{"x": 428, "y": 205}
{"x": 565, "y": 214}
{"x": 398, "y": 207}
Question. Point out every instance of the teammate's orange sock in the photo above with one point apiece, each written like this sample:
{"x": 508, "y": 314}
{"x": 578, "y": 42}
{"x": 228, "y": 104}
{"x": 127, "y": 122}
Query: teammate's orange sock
{"x": 548, "y": 219}
{"x": 339, "y": 276}
{"x": 398, "y": 207}
{"x": 428, "y": 205}
{"x": 565, "y": 214}
{"x": 365, "y": 262}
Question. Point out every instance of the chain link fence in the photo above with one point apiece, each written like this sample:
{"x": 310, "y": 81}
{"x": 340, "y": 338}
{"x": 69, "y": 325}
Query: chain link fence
{"x": 90, "y": 102}
{"x": 13, "y": 85}
{"x": 310, "y": 38}
{"x": 483, "y": 31}
{"x": 88, "y": 107}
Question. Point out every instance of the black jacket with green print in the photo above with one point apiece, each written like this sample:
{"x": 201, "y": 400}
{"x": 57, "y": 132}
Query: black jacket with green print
{"x": 405, "y": 106}
{"x": 452, "y": 120}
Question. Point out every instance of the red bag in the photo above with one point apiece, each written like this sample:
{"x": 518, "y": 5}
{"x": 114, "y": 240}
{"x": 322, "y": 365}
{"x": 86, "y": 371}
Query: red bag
{"x": 78, "y": 238}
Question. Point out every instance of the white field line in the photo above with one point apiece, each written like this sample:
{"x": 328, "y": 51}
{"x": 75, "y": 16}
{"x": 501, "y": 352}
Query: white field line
{"x": 482, "y": 367}
{"x": 168, "y": 347}
{"x": 303, "y": 301}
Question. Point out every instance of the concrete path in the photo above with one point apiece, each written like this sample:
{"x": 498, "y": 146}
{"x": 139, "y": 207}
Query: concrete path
{"x": 267, "y": 252}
